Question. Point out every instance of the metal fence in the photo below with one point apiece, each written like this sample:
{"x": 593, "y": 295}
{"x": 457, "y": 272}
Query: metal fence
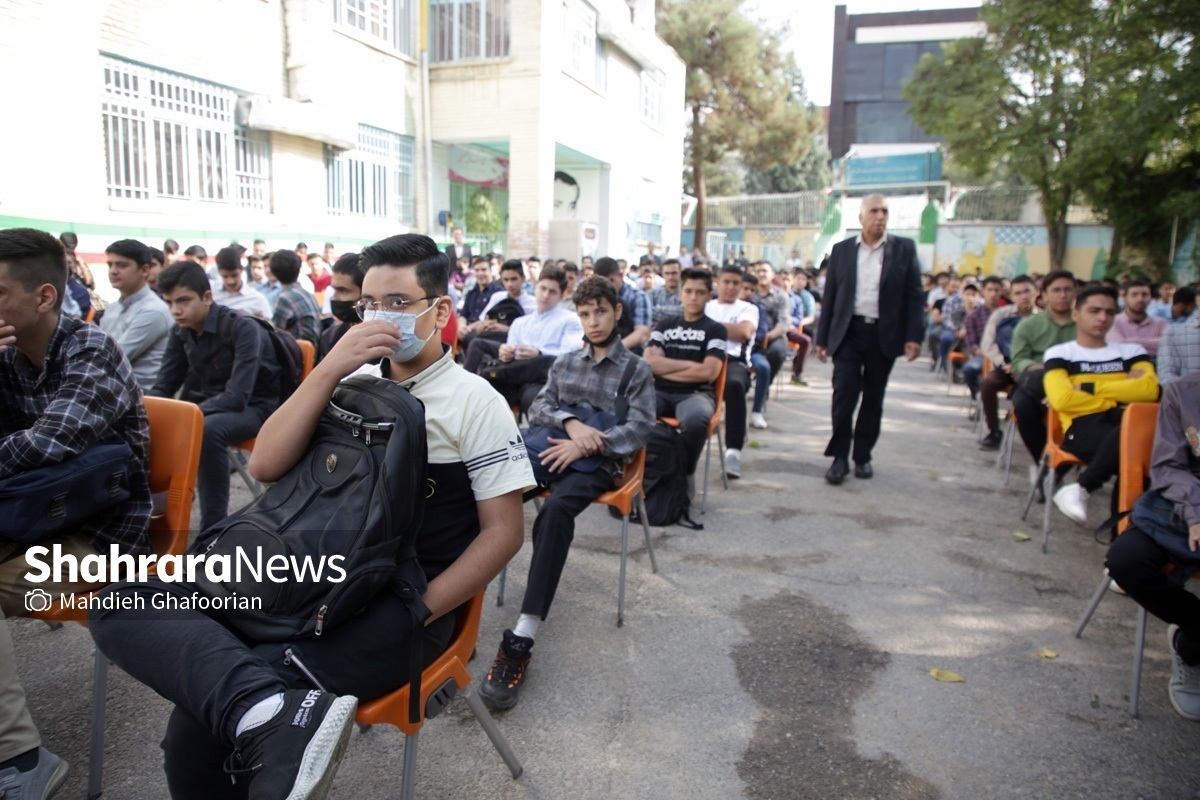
{"x": 1017, "y": 204}
{"x": 766, "y": 211}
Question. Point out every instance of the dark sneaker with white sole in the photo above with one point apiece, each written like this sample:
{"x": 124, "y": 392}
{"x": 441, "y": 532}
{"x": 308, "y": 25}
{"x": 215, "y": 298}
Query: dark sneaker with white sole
{"x": 499, "y": 689}
{"x": 295, "y": 754}
{"x": 37, "y": 783}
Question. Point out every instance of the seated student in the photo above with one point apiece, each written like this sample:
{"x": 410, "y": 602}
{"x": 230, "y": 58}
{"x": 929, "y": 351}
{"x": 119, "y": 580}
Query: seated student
{"x": 157, "y": 261}
{"x": 345, "y": 286}
{"x": 1088, "y": 381}
{"x": 779, "y": 314}
{"x": 804, "y": 317}
{"x": 1160, "y": 306}
{"x": 665, "y": 302}
{"x": 590, "y": 378}
{"x": 741, "y": 322}
{"x": 1183, "y": 306}
{"x": 572, "y": 271}
{"x": 1134, "y": 324}
{"x": 225, "y": 362}
{"x": 263, "y": 280}
{"x": 685, "y": 354}
{"x": 66, "y": 385}
{"x": 1179, "y": 352}
{"x": 296, "y": 310}
{"x": 635, "y": 321}
{"x": 501, "y": 308}
{"x": 1137, "y": 558}
{"x": 954, "y": 317}
{"x": 996, "y": 345}
{"x": 759, "y": 364}
{"x": 479, "y": 291}
{"x": 139, "y": 322}
{"x": 239, "y": 697}
{"x": 988, "y": 300}
{"x": 233, "y": 291}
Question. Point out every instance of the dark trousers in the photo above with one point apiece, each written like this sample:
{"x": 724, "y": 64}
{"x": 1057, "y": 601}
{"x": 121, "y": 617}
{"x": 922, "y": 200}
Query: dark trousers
{"x": 971, "y": 375}
{"x": 1031, "y": 414}
{"x": 214, "y": 675}
{"x": 1135, "y": 561}
{"x": 805, "y": 342}
{"x": 693, "y": 410}
{"x": 776, "y": 353}
{"x": 994, "y": 382}
{"x": 212, "y": 480}
{"x": 478, "y": 351}
{"x": 553, "y": 532}
{"x": 1096, "y": 438}
{"x": 859, "y": 369}
{"x": 737, "y": 382}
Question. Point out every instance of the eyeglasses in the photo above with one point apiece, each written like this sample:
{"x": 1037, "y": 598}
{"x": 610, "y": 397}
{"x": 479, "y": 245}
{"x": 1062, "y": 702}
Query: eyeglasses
{"x": 397, "y": 304}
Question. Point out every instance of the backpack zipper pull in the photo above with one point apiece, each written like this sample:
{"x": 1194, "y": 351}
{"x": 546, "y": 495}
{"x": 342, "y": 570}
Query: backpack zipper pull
{"x": 320, "y": 620}
{"x": 367, "y": 435}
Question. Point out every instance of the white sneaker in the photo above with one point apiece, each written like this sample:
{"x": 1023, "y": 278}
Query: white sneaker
{"x": 733, "y": 463}
{"x": 1072, "y": 502}
{"x": 1184, "y": 688}
{"x": 757, "y": 420}
{"x": 1034, "y": 471}
{"x": 1112, "y": 585}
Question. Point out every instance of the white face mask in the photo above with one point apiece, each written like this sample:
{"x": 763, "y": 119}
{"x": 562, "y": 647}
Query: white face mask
{"x": 409, "y": 345}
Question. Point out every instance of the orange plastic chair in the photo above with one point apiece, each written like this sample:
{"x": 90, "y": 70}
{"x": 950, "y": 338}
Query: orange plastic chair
{"x": 624, "y": 498}
{"x": 714, "y": 426}
{"x": 1053, "y": 457}
{"x": 1138, "y": 426}
{"x": 309, "y": 355}
{"x": 308, "y": 352}
{"x": 440, "y": 682}
{"x": 176, "y": 431}
{"x": 90, "y": 315}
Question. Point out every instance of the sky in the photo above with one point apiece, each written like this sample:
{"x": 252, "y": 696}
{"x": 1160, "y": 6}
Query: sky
{"x": 811, "y": 23}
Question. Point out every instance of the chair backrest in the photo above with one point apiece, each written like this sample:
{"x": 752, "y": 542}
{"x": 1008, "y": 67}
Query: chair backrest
{"x": 987, "y": 366}
{"x": 176, "y": 432}
{"x": 719, "y": 390}
{"x": 1054, "y": 428}
{"x": 309, "y": 355}
{"x": 635, "y": 471}
{"x": 466, "y": 628}
{"x": 1138, "y": 425}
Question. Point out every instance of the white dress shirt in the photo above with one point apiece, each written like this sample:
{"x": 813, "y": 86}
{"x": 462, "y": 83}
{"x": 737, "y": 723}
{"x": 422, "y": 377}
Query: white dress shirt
{"x": 553, "y": 332}
{"x": 249, "y": 300}
{"x": 870, "y": 272}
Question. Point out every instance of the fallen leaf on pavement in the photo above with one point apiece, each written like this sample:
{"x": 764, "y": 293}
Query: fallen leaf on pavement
{"x": 947, "y": 444}
{"x": 947, "y": 676}
{"x": 1020, "y": 537}
{"x": 1047, "y": 654}
{"x": 932, "y": 475}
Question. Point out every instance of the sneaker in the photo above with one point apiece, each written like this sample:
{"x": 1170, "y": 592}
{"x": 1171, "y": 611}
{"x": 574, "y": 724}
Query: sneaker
{"x": 733, "y": 463}
{"x": 499, "y": 689}
{"x": 1184, "y": 688}
{"x": 1072, "y": 502}
{"x": 992, "y": 442}
{"x": 295, "y": 754}
{"x": 37, "y": 783}
{"x": 1112, "y": 584}
{"x": 1034, "y": 471}
{"x": 757, "y": 420}
{"x": 798, "y": 381}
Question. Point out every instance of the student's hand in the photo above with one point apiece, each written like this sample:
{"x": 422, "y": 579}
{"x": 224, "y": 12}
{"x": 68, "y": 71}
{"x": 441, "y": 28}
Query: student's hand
{"x": 507, "y": 352}
{"x": 590, "y": 440}
{"x": 1008, "y": 368}
{"x": 1136, "y": 373}
{"x": 1194, "y": 536}
{"x": 7, "y": 336}
{"x": 526, "y": 351}
{"x": 822, "y": 353}
{"x": 362, "y": 344}
{"x": 911, "y": 350}
{"x": 561, "y": 454}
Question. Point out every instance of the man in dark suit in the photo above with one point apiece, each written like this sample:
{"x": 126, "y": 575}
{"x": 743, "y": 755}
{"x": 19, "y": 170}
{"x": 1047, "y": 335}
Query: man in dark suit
{"x": 458, "y": 250}
{"x": 871, "y": 314}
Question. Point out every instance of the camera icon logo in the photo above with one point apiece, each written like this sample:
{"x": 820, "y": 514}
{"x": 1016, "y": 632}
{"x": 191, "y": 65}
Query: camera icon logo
{"x": 38, "y": 600}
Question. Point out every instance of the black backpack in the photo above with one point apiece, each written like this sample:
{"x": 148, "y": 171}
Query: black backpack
{"x": 353, "y": 502}
{"x": 665, "y": 481}
{"x": 505, "y": 311}
{"x": 287, "y": 350}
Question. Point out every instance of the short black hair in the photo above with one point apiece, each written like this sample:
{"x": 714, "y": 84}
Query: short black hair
{"x": 748, "y": 277}
{"x": 184, "y": 274}
{"x": 606, "y": 267}
{"x": 971, "y": 287}
{"x": 329, "y": 244}
{"x": 251, "y": 258}
{"x": 285, "y": 265}
{"x": 538, "y": 260}
{"x": 732, "y": 269}
{"x": 666, "y": 261}
{"x": 228, "y": 260}
{"x": 595, "y": 289}
{"x": 351, "y": 264}
{"x": 553, "y": 272}
{"x": 571, "y": 266}
{"x": 157, "y": 255}
{"x": 1024, "y": 279}
{"x": 299, "y": 245}
{"x": 513, "y": 265}
{"x": 1137, "y": 282}
{"x": 132, "y": 249}
{"x": 1184, "y": 295}
{"x": 992, "y": 280}
{"x": 1093, "y": 291}
{"x": 69, "y": 240}
{"x": 412, "y": 250}
{"x": 260, "y": 241}
{"x": 1058, "y": 275}
{"x": 476, "y": 259}
{"x": 170, "y": 246}
{"x": 196, "y": 251}
{"x": 34, "y": 258}
{"x": 694, "y": 274}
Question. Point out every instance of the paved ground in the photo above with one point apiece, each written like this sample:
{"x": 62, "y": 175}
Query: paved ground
{"x": 782, "y": 652}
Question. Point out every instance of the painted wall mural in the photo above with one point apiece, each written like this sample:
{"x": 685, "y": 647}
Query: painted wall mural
{"x": 1011, "y": 250}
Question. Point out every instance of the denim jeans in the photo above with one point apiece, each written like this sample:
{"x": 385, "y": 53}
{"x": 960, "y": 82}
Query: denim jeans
{"x": 971, "y": 374}
{"x": 762, "y": 380}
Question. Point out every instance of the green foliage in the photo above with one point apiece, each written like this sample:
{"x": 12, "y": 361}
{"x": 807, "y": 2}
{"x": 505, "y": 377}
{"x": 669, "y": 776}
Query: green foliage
{"x": 808, "y": 174}
{"x": 482, "y": 214}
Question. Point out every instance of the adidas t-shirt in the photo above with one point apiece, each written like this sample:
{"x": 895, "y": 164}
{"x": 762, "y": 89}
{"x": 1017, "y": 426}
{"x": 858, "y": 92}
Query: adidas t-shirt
{"x": 688, "y": 341}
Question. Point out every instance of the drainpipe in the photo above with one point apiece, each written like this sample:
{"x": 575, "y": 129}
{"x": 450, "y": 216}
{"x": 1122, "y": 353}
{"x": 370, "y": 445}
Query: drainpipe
{"x": 427, "y": 124}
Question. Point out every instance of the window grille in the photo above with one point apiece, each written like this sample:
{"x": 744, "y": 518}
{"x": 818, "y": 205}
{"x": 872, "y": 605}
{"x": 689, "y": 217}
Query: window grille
{"x": 376, "y": 179}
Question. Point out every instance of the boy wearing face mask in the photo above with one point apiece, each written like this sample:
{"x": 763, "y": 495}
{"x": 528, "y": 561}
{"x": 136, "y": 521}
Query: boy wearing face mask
{"x": 237, "y": 704}
{"x": 345, "y": 288}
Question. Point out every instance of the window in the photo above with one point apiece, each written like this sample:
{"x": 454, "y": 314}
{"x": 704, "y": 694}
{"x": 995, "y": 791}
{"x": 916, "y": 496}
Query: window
{"x": 468, "y": 30}
{"x": 652, "y": 95}
{"x": 392, "y": 23}
{"x": 373, "y": 180}
{"x": 170, "y": 137}
{"x": 583, "y": 55}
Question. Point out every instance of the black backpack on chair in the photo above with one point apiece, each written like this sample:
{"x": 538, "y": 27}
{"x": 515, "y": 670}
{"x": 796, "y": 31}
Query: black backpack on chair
{"x": 665, "y": 482}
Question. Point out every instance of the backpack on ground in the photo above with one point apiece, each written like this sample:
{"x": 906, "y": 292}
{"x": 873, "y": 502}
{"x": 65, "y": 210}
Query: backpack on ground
{"x": 286, "y": 349}
{"x": 665, "y": 483}
{"x": 343, "y": 521}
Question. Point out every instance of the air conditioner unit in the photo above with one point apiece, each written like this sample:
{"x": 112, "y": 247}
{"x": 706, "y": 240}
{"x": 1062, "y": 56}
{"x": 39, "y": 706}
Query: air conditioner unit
{"x": 306, "y": 120}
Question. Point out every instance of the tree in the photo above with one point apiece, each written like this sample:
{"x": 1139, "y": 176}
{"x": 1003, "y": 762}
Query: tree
{"x": 741, "y": 91}
{"x": 808, "y": 174}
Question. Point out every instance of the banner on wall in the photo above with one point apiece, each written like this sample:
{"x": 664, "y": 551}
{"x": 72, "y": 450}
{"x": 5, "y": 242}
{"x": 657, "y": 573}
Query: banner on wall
{"x": 478, "y": 167}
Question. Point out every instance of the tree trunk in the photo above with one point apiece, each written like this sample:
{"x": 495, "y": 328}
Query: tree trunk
{"x": 701, "y": 228}
{"x": 1114, "y": 253}
{"x": 1054, "y": 209}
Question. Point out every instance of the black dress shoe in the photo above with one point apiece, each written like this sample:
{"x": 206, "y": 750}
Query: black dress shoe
{"x": 837, "y": 472}
{"x": 863, "y": 470}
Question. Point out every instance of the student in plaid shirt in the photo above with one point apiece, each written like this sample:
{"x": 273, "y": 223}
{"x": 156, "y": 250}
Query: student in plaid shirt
{"x": 296, "y": 311}
{"x": 65, "y": 385}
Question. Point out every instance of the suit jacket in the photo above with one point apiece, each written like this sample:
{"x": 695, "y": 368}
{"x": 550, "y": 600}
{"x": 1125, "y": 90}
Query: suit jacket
{"x": 454, "y": 259}
{"x": 901, "y": 299}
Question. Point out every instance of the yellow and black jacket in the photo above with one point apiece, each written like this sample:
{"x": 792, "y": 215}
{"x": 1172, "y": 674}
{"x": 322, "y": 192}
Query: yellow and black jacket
{"x": 1089, "y": 380}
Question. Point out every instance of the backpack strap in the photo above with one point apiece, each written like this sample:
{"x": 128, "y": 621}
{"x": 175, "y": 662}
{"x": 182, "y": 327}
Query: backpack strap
{"x": 622, "y": 400}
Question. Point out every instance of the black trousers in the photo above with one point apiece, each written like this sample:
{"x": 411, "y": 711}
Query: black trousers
{"x": 478, "y": 351}
{"x": 860, "y": 369}
{"x": 737, "y": 383}
{"x": 1135, "y": 561}
{"x": 553, "y": 532}
{"x": 1031, "y": 414}
{"x": 1096, "y": 438}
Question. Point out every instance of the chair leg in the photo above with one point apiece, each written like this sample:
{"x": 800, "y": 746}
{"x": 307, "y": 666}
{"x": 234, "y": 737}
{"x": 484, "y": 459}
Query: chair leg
{"x": 707, "y": 456}
{"x": 410, "y": 766}
{"x": 1010, "y": 435}
{"x": 254, "y": 486}
{"x": 1042, "y": 466}
{"x": 1139, "y": 648}
{"x": 1051, "y": 480}
{"x": 641, "y": 509}
{"x": 500, "y": 590}
{"x": 96, "y": 748}
{"x": 493, "y": 732}
{"x": 721, "y": 457}
{"x": 621, "y": 585}
{"x": 1092, "y": 605}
